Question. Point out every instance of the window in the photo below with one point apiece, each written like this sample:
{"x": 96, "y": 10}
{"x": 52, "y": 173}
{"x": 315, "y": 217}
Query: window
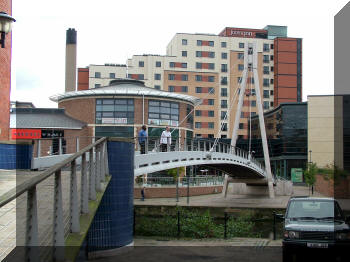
{"x": 211, "y": 43}
{"x": 224, "y": 136}
{"x": 198, "y": 112}
{"x": 210, "y": 135}
{"x": 240, "y": 55}
{"x": 210, "y": 113}
{"x": 199, "y": 42}
{"x": 223, "y": 55}
{"x": 253, "y": 113}
{"x": 271, "y": 46}
{"x": 98, "y": 74}
{"x": 184, "y": 53}
{"x": 158, "y": 64}
{"x": 271, "y": 57}
{"x": 211, "y": 78}
{"x": 223, "y": 44}
{"x": 223, "y": 91}
{"x": 223, "y": 68}
{"x": 239, "y": 80}
{"x": 241, "y": 45}
{"x": 266, "y": 47}
{"x": 211, "y": 54}
{"x": 211, "y": 66}
{"x": 171, "y": 77}
{"x": 184, "y": 89}
{"x": 198, "y": 78}
{"x": 171, "y": 89}
{"x": 198, "y": 65}
{"x": 266, "y": 70}
{"x": 223, "y": 114}
{"x": 157, "y": 87}
{"x": 266, "y": 105}
{"x": 141, "y": 77}
{"x": 253, "y": 103}
{"x": 97, "y": 85}
{"x": 183, "y": 65}
{"x": 224, "y": 127}
{"x": 253, "y": 92}
{"x": 111, "y": 75}
{"x": 114, "y": 111}
{"x": 223, "y": 103}
{"x": 266, "y": 94}
{"x": 157, "y": 76}
{"x": 198, "y": 90}
{"x": 241, "y": 126}
{"x": 211, "y": 90}
{"x": 271, "y": 68}
{"x": 240, "y": 67}
{"x": 171, "y": 64}
{"x": 266, "y": 82}
{"x": 271, "y": 81}
{"x": 271, "y": 104}
{"x": 224, "y": 80}
{"x": 198, "y": 54}
{"x": 242, "y": 115}
{"x": 198, "y": 125}
{"x": 141, "y": 63}
{"x": 211, "y": 125}
{"x": 184, "y": 41}
{"x": 211, "y": 102}
{"x": 271, "y": 92}
{"x": 163, "y": 113}
{"x": 266, "y": 59}
{"x": 184, "y": 77}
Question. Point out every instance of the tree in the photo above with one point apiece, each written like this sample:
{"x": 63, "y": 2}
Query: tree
{"x": 310, "y": 174}
{"x": 173, "y": 172}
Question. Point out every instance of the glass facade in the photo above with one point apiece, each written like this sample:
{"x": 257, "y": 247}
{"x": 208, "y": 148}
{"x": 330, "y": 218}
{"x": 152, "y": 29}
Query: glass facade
{"x": 114, "y": 111}
{"x": 163, "y": 113}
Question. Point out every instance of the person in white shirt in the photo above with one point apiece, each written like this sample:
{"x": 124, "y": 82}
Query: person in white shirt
{"x": 165, "y": 139}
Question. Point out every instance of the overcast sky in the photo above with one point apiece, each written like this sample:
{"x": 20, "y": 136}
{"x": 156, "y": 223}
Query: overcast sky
{"x": 110, "y": 31}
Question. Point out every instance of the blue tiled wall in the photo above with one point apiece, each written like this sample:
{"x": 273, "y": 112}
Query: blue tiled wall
{"x": 113, "y": 223}
{"x": 15, "y": 156}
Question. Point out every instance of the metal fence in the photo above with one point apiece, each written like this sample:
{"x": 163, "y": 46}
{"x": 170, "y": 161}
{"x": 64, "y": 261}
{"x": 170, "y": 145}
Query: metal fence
{"x": 42, "y": 211}
{"x": 182, "y": 181}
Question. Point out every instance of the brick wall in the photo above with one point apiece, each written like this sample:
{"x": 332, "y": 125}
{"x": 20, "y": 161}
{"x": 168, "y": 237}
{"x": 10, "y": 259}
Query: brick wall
{"x": 170, "y": 192}
{"x": 5, "y": 77}
{"x": 82, "y": 109}
{"x": 327, "y": 187}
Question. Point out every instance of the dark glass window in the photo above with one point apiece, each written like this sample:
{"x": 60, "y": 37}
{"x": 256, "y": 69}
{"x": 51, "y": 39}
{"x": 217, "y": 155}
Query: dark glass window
{"x": 266, "y": 82}
{"x": 223, "y": 55}
{"x": 171, "y": 77}
{"x": 211, "y": 78}
{"x": 184, "y": 89}
{"x": 223, "y": 103}
{"x": 97, "y": 74}
{"x": 266, "y": 47}
{"x": 184, "y": 41}
{"x": 266, "y": 70}
{"x": 241, "y": 45}
{"x": 266, "y": 104}
{"x": 211, "y": 43}
{"x": 198, "y": 65}
{"x": 171, "y": 64}
{"x": 157, "y": 87}
{"x": 266, "y": 94}
{"x": 211, "y": 125}
{"x": 240, "y": 55}
{"x": 211, "y": 90}
{"x": 198, "y": 54}
{"x": 223, "y": 114}
{"x": 210, "y": 113}
{"x": 223, "y": 68}
{"x": 184, "y": 53}
{"x": 111, "y": 75}
{"x": 171, "y": 88}
{"x": 211, "y": 102}
{"x": 141, "y": 63}
{"x": 253, "y": 103}
{"x": 240, "y": 67}
{"x": 114, "y": 111}
{"x": 241, "y": 126}
{"x": 224, "y": 80}
{"x": 198, "y": 112}
{"x": 184, "y": 77}
{"x": 211, "y": 66}
{"x": 97, "y": 85}
{"x": 199, "y": 42}
{"x": 198, "y": 125}
{"x": 223, "y": 91}
{"x": 158, "y": 64}
{"x": 198, "y": 78}
{"x": 211, "y": 54}
{"x": 198, "y": 90}
{"x": 223, "y": 44}
{"x": 266, "y": 59}
{"x": 183, "y": 65}
{"x": 163, "y": 113}
{"x": 157, "y": 76}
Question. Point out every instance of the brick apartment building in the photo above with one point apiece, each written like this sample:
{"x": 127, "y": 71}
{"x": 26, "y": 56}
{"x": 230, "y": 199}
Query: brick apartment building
{"x": 210, "y": 67}
{"x": 5, "y": 76}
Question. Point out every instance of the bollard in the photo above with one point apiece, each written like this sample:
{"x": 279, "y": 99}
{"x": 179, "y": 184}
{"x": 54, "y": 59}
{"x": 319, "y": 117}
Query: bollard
{"x": 225, "y": 226}
{"x": 274, "y": 225}
{"x": 178, "y": 223}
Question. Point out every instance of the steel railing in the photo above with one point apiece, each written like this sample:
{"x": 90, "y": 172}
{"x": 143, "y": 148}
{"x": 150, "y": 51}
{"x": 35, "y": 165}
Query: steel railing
{"x": 48, "y": 205}
{"x": 183, "y": 181}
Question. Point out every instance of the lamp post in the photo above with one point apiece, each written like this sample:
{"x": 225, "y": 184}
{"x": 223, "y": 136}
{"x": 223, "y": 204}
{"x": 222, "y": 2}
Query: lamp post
{"x": 310, "y": 151}
{"x": 5, "y": 26}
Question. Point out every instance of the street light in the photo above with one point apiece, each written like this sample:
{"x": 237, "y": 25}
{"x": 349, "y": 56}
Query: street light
{"x": 5, "y": 26}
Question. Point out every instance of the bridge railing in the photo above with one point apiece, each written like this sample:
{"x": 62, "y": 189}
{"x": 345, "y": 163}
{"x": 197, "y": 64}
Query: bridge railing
{"x": 153, "y": 145}
{"x": 183, "y": 181}
{"x": 46, "y": 208}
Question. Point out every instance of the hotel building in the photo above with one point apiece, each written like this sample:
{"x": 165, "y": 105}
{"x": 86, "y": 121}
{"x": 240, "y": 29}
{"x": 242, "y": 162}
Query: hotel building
{"x": 210, "y": 67}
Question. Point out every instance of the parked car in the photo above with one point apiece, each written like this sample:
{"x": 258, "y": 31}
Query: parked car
{"x": 317, "y": 225}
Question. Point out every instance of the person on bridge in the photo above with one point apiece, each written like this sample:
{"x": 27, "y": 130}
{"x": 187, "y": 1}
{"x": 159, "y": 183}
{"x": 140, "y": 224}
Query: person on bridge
{"x": 165, "y": 140}
{"x": 142, "y": 139}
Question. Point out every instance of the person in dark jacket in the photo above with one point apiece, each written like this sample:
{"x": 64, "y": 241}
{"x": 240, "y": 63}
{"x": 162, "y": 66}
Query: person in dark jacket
{"x": 143, "y": 194}
{"x": 142, "y": 139}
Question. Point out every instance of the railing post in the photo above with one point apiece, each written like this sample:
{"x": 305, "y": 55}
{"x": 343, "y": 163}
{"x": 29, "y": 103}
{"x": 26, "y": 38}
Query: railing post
{"x": 204, "y": 146}
{"x": 168, "y": 149}
{"x": 199, "y": 145}
{"x": 146, "y": 145}
{"x": 58, "y": 236}
{"x": 103, "y": 166}
{"x": 192, "y": 145}
{"x": 98, "y": 168}
{"x": 106, "y": 159}
{"x": 177, "y": 144}
{"x": 84, "y": 197}
{"x": 60, "y": 151}
{"x": 185, "y": 144}
{"x": 39, "y": 148}
{"x": 77, "y": 144}
{"x": 32, "y": 226}
{"x": 74, "y": 209}
{"x": 92, "y": 190}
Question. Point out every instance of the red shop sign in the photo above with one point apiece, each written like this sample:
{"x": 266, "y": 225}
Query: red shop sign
{"x": 26, "y": 133}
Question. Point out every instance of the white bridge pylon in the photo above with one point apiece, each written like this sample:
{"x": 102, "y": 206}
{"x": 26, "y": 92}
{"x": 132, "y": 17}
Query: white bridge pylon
{"x": 251, "y": 64}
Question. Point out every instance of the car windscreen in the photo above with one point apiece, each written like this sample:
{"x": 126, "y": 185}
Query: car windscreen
{"x": 313, "y": 209}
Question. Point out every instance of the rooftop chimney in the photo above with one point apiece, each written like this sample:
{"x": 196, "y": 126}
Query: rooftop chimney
{"x": 71, "y": 60}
